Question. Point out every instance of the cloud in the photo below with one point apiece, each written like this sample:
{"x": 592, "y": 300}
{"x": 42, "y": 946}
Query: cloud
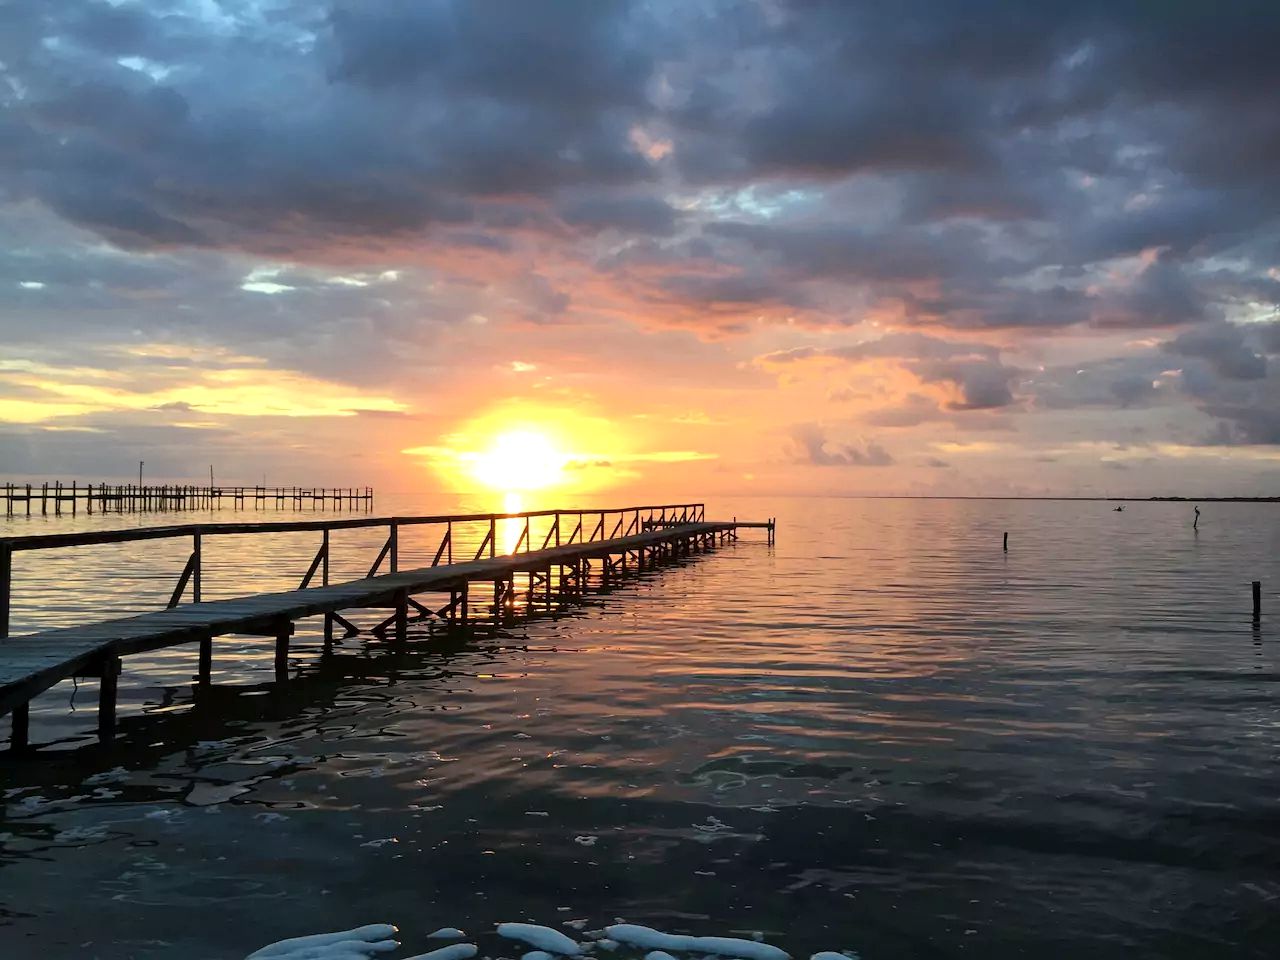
{"x": 1162, "y": 295}
{"x": 812, "y": 447}
{"x": 1128, "y": 382}
{"x": 980, "y": 384}
{"x": 913, "y": 410}
{"x": 1059, "y": 211}
{"x": 1225, "y": 348}
{"x": 903, "y": 346}
{"x": 630, "y": 214}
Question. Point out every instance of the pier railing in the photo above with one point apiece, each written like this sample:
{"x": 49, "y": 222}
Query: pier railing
{"x": 558, "y": 528}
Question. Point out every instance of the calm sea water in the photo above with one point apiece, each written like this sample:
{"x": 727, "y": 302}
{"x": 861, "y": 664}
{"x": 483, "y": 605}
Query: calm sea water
{"x": 882, "y": 734}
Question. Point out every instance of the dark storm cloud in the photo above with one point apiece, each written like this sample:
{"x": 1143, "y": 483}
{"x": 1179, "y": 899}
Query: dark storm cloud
{"x": 853, "y": 254}
{"x": 1226, "y": 348}
{"x": 297, "y": 126}
{"x": 572, "y": 56}
{"x": 1118, "y": 382}
{"x": 981, "y": 384}
{"x": 1161, "y": 296}
{"x": 1245, "y": 425}
{"x": 630, "y": 214}
{"x": 378, "y": 121}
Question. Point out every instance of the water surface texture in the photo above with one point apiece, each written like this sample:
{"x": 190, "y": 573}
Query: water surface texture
{"x": 883, "y": 734}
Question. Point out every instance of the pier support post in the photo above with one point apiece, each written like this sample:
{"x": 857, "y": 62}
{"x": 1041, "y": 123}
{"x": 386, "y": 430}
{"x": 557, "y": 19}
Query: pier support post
{"x": 324, "y": 580}
{"x": 283, "y": 631}
{"x": 196, "y": 575}
{"x": 20, "y": 727}
{"x": 6, "y": 588}
{"x": 205, "y": 671}
{"x": 107, "y": 688}
{"x": 402, "y": 616}
{"x": 1257, "y": 600}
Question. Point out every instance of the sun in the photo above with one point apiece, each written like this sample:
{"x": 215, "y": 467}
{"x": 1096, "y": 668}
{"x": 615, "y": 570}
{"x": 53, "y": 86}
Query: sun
{"x": 520, "y": 460}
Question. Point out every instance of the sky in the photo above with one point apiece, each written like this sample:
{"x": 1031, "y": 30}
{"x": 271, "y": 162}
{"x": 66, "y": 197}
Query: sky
{"x": 695, "y": 247}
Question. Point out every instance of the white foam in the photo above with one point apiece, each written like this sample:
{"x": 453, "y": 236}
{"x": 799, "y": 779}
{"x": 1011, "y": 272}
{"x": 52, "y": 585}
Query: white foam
{"x": 832, "y": 955}
{"x": 635, "y": 935}
{"x": 658, "y": 955}
{"x": 446, "y": 933}
{"x": 544, "y": 938}
{"x": 374, "y": 937}
{"x": 455, "y": 951}
{"x": 538, "y": 955}
{"x": 605, "y": 943}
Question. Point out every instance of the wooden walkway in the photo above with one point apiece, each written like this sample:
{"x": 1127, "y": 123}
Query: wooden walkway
{"x": 31, "y": 664}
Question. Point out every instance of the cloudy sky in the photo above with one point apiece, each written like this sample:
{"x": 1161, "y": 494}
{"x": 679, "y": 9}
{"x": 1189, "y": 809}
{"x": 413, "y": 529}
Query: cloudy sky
{"x": 920, "y": 246}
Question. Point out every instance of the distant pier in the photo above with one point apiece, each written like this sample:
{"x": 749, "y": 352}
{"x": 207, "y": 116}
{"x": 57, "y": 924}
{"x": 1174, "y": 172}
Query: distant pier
{"x": 58, "y": 498}
{"x": 507, "y": 576}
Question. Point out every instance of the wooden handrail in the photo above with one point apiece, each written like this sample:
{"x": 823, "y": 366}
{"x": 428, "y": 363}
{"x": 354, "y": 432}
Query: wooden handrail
{"x": 192, "y": 573}
{"x": 86, "y": 538}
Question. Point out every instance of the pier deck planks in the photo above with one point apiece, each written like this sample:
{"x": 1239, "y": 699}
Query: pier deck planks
{"x": 33, "y": 663}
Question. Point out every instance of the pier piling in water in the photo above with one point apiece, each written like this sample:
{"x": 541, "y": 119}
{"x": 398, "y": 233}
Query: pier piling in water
{"x": 1257, "y": 600}
{"x": 1006, "y": 541}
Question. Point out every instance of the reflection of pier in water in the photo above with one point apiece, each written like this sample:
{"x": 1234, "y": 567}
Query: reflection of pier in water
{"x": 185, "y": 715}
{"x": 521, "y": 581}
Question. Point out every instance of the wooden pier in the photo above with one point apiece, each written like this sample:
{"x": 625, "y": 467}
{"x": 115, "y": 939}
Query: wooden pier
{"x": 527, "y": 580}
{"x": 57, "y": 498}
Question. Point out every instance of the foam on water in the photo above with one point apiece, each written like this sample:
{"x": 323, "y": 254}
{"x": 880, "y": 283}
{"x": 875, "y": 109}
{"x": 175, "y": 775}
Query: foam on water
{"x": 373, "y": 939}
{"x": 544, "y": 938}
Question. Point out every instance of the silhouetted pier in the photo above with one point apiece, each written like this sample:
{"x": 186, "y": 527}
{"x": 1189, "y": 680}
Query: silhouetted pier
{"x": 518, "y": 581}
{"x": 58, "y": 498}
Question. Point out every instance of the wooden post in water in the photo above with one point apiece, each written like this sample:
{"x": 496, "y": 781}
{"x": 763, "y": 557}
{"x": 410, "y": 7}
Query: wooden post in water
{"x": 6, "y": 587}
{"x": 107, "y": 686}
{"x": 1257, "y": 600}
{"x": 324, "y": 579}
{"x": 195, "y": 573}
{"x": 20, "y": 726}
{"x": 1006, "y": 541}
{"x": 283, "y": 631}
{"x": 402, "y": 616}
{"x": 205, "y": 671}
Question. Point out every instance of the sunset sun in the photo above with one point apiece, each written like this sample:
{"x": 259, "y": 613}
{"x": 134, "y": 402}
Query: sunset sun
{"x": 520, "y": 460}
